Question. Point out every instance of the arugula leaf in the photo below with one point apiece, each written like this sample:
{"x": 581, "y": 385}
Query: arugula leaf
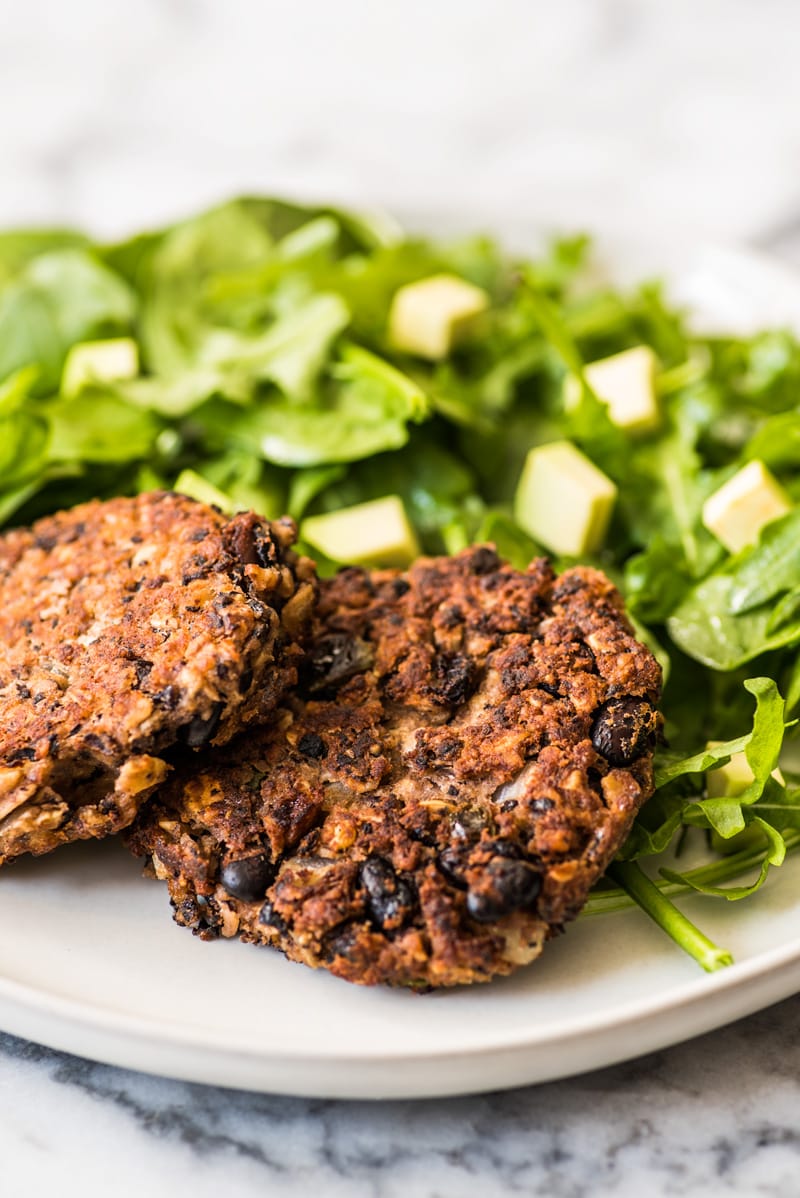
{"x": 291, "y": 353}
{"x": 655, "y": 827}
{"x": 673, "y": 807}
{"x": 98, "y": 427}
{"x": 656, "y": 580}
{"x": 58, "y": 299}
{"x": 555, "y": 330}
{"x": 175, "y": 274}
{"x": 670, "y": 766}
{"x": 179, "y": 394}
{"x": 366, "y": 373}
{"x": 776, "y": 441}
{"x": 771, "y": 566}
{"x": 791, "y": 684}
{"x": 785, "y": 611}
{"x": 762, "y": 745}
{"x": 511, "y": 541}
{"x": 12, "y": 500}
{"x": 15, "y": 497}
{"x": 765, "y": 369}
{"x": 365, "y": 409}
{"x": 18, "y": 248}
{"x": 766, "y": 740}
{"x": 190, "y": 483}
{"x": 15, "y": 392}
{"x": 775, "y": 855}
{"x": 23, "y": 444}
{"x": 662, "y": 495}
{"x": 434, "y": 485}
{"x": 249, "y": 483}
{"x": 306, "y": 485}
{"x": 724, "y": 869}
{"x": 704, "y": 626}
{"x": 291, "y": 436}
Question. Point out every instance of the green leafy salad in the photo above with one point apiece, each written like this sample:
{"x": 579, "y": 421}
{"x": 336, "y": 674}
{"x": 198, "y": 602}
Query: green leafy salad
{"x": 399, "y": 395}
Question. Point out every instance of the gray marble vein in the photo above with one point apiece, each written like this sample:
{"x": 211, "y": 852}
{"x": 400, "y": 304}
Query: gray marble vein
{"x": 656, "y": 125}
{"x": 718, "y": 1115}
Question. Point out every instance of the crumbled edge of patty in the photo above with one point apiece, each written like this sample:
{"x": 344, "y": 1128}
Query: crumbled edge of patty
{"x": 127, "y": 626}
{"x": 467, "y": 753}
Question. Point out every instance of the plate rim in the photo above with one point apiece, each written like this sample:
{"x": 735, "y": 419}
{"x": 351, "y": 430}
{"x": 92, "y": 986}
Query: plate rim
{"x": 132, "y": 1027}
{"x": 636, "y": 1029}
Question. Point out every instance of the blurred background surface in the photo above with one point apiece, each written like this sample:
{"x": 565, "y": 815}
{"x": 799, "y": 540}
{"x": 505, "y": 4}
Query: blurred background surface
{"x": 652, "y": 124}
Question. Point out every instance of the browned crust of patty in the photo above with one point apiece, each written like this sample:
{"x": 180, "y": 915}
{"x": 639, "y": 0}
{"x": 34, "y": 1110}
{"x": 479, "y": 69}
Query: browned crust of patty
{"x": 433, "y": 803}
{"x": 124, "y": 626}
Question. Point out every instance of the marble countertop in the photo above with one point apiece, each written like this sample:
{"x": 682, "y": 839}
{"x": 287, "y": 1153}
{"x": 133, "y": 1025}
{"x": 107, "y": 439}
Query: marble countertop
{"x": 716, "y": 1116}
{"x": 657, "y": 126}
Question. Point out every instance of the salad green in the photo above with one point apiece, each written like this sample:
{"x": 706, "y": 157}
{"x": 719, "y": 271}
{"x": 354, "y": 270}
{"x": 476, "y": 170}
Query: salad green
{"x": 269, "y": 380}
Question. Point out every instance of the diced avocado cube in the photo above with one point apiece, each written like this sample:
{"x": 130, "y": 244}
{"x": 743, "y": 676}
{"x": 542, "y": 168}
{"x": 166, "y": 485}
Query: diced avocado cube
{"x": 742, "y": 506}
{"x": 625, "y": 382}
{"x": 734, "y": 778}
{"x": 99, "y": 362}
{"x": 377, "y": 533}
{"x": 563, "y": 500}
{"x": 190, "y": 483}
{"x": 429, "y": 317}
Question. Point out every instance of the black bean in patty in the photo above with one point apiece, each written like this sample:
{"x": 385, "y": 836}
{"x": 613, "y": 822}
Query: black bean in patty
{"x": 511, "y": 885}
{"x": 389, "y": 898}
{"x": 248, "y": 878}
{"x": 336, "y": 658}
{"x": 200, "y": 730}
{"x": 623, "y": 730}
{"x": 453, "y": 678}
{"x": 312, "y": 745}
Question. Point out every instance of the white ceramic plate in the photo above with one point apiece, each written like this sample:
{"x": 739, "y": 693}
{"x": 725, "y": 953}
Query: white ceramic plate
{"x": 90, "y": 962}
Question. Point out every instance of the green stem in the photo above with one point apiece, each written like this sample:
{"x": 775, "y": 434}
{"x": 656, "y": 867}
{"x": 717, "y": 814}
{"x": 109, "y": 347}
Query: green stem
{"x": 554, "y": 329}
{"x": 605, "y": 901}
{"x": 660, "y": 909}
{"x": 685, "y": 373}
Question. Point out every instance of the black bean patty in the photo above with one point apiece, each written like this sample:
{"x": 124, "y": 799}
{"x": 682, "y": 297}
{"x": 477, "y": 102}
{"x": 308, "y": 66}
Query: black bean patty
{"x": 125, "y": 627}
{"x": 467, "y": 750}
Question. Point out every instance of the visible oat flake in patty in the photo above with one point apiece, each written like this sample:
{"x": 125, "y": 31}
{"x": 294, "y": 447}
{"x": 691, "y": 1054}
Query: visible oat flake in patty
{"x": 127, "y": 626}
{"x": 467, "y": 751}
